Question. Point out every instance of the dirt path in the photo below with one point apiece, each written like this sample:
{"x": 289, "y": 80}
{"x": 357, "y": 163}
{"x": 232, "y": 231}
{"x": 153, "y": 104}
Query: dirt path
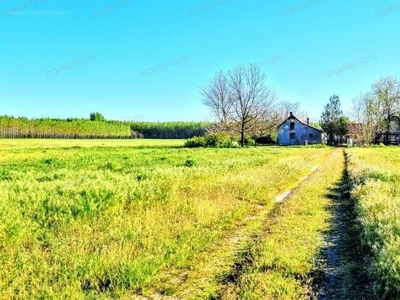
{"x": 331, "y": 254}
{"x": 341, "y": 272}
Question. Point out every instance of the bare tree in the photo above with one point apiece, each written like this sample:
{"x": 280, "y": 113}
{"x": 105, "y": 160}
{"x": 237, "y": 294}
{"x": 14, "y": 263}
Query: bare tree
{"x": 366, "y": 113}
{"x": 387, "y": 93}
{"x": 216, "y": 95}
{"x": 284, "y": 108}
{"x": 252, "y": 100}
{"x": 241, "y": 101}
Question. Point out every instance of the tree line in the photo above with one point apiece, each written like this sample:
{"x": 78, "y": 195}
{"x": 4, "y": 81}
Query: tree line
{"x": 375, "y": 114}
{"x": 168, "y": 130}
{"x": 21, "y": 127}
{"x": 96, "y": 127}
{"x": 378, "y": 110}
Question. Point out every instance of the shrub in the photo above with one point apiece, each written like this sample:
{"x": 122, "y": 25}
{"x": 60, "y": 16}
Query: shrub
{"x": 248, "y": 141}
{"x": 195, "y": 142}
{"x": 218, "y": 140}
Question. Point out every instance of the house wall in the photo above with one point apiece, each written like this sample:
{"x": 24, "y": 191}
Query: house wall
{"x": 302, "y": 133}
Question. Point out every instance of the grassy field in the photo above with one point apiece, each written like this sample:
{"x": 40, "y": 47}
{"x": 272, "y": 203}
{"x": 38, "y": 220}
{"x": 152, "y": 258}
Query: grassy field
{"x": 67, "y": 143}
{"x": 148, "y": 219}
{"x": 375, "y": 181}
{"x": 91, "y": 219}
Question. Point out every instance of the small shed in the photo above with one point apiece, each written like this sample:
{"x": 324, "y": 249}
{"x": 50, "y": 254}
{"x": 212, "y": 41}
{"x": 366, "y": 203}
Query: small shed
{"x": 293, "y": 131}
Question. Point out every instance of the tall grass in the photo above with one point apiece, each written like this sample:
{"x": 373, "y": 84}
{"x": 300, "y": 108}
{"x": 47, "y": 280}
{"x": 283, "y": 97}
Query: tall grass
{"x": 280, "y": 262}
{"x": 375, "y": 179}
{"x": 101, "y": 222}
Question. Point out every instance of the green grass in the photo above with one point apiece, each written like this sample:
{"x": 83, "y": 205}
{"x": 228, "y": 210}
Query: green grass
{"x": 86, "y": 220}
{"x": 280, "y": 261}
{"x": 57, "y": 143}
{"x": 375, "y": 181}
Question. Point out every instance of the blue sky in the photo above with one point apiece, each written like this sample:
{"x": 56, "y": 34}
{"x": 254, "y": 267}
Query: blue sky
{"x": 146, "y": 59}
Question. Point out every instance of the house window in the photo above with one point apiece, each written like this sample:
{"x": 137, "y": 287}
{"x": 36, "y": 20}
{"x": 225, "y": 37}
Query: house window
{"x": 311, "y": 135}
{"x": 292, "y": 136}
{"x": 291, "y": 125}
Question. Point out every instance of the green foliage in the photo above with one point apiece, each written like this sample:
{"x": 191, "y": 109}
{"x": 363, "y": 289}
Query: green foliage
{"x": 96, "y": 116}
{"x": 218, "y": 140}
{"x": 248, "y": 141}
{"x": 332, "y": 120}
{"x": 196, "y": 142}
{"x": 97, "y": 127}
{"x": 168, "y": 130}
{"x": 11, "y": 127}
{"x": 343, "y": 126}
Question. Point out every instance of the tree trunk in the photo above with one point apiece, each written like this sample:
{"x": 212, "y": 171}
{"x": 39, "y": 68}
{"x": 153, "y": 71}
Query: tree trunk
{"x": 242, "y": 134}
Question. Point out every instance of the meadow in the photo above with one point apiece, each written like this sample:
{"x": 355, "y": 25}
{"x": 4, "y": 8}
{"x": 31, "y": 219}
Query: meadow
{"x": 374, "y": 175}
{"x": 126, "y": 219}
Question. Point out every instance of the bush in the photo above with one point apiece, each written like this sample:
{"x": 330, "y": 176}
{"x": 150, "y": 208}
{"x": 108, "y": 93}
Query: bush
{"x": 219, "y": 140}
{"x": 196, "y": 142}
{"x": 248, "y": 141}
{"x": 267, "y": 140}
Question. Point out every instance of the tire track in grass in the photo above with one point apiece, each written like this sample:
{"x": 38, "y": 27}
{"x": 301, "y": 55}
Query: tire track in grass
{"x": 279, "y": 260}
{"x": 340, "y": 268}
{"x": 218, "y": 260}
{"x": 286, "y": 194}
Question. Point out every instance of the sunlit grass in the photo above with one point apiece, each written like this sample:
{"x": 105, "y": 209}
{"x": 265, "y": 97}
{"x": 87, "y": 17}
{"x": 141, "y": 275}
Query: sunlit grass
{"x": 375, "y": 179}
{"x": 57, "y": 143}
{"x": 280, "y": 261}
{"x": 105, "y": 221}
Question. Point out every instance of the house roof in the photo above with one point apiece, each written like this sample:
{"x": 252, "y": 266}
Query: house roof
{"x": 292, "y": 116}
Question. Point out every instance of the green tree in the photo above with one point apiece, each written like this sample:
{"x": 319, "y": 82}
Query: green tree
{"x": 332, "y": 120}
{"x": 343, "y": 128}
{"x": 96, "y": 116}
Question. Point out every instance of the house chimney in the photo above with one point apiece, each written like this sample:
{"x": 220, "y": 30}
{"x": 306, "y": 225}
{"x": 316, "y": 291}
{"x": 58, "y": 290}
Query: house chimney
{"x": 291, "y": 114}
{"x": 308, "y": 121}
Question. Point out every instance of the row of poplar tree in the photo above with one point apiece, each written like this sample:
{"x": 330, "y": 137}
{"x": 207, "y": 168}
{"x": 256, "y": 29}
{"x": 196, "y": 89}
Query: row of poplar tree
{"x": 96, "y": 127}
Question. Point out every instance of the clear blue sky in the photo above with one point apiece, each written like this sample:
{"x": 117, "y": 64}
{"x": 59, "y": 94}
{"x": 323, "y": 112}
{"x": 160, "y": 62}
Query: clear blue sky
{"x": 146, "y": 59}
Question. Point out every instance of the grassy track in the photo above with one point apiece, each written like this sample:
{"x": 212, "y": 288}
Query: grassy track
{"x": 280, "y": 260}
{"x": 103, "y": 221}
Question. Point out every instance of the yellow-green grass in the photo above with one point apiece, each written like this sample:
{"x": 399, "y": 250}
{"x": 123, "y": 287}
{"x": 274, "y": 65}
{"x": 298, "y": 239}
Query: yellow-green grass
{"x": 375, "y": 178}
{"x": 282, "y": 257}
{"x": 59, "y": 143}
{"x": 112, "y": 222}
